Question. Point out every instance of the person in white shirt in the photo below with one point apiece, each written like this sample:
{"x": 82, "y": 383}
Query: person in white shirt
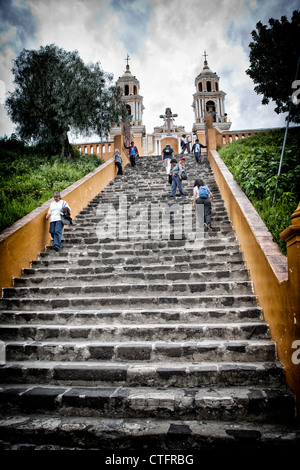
{"x": 185, "y": 144}
{"x": 56, "y": 225}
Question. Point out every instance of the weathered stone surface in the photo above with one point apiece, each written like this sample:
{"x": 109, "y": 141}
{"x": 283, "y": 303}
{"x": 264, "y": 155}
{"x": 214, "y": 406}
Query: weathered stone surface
{"x": 142, "y": 339}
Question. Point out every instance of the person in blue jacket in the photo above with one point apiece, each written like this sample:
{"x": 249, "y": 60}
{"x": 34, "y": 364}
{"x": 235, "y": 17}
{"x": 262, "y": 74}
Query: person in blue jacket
{"x": 196, "y": 149}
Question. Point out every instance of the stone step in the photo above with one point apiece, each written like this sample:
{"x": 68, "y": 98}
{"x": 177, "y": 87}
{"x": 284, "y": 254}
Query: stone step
{"x": 184, "y": 270}
{"x": 146, "y": 332}
{"x": 158, "y": 203}
{"x": 151, "y": 233}
{"x": 214, "y": 403}
{"x": 137, "y": 289}
{"x": 145, "y": 341}
{"x": 97, "y": 215}
{"x": 180, "y": 245}
{"x": 94, "y": 259}
{"x": 56, "y": 432}
{"x": 148, "y": 239}
{"x": 63, "y": 348}
{"x": 213, "y": 253}
{"x": 134, "y": 316}
{"x": 222, "y": 230}
{"x": 222, "y": 225}
{"x": 119, "y": 301}
{"x": 122, "y": 276}
{"x": 157, "y": 374}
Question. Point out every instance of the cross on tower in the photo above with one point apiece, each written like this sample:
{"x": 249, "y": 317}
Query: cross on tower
{"x": 168, "y": 117}
{"x": 205, "y": 55}
{"x": 127, "y": 59}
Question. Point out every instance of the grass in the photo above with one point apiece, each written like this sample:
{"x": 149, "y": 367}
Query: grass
{"x": 254, "y": 163}
{"x": 28, "y": 178}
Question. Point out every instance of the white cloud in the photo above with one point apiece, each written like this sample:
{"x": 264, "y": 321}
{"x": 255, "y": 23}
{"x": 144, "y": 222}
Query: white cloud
{"x": 165, "y": 40}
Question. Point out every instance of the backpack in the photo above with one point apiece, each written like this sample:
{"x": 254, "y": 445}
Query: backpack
{"x": 168, "y": 151}
{"x": 183, "y": 175}
{"x": 203, "y": 192}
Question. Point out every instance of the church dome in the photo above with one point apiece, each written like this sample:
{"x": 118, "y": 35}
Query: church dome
{"x": 206, "y": 70}
{"x": 127, "y": 73}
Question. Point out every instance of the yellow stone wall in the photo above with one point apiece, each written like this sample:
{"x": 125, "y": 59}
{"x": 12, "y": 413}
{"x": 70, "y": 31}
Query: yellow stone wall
{"x": 23, "y": 241}
{"x": 276, "y": 278}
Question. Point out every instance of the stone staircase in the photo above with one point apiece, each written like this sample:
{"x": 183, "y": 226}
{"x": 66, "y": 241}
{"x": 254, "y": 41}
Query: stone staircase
{"x": 137, "y": 336}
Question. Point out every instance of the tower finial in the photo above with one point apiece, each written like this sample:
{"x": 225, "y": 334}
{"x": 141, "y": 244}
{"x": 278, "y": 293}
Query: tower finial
{"x": 205, "y": 61}
{"x": 127, "y": 59}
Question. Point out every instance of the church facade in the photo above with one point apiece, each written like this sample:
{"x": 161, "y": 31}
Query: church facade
{"x": 207, "y": 99}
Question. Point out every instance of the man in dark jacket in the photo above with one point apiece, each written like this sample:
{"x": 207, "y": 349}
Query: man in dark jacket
{"x": 167, "y": 154}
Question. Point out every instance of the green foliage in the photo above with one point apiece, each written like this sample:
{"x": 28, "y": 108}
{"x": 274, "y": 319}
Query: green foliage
{"x": 254, "y": 163}
{"x": 28, "y": 179}
{"x": 56, "y": 92}
{"x": 274, "y": 62}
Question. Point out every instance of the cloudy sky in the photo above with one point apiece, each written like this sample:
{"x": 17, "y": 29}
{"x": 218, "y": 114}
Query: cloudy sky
{"x": 165, "y": 40}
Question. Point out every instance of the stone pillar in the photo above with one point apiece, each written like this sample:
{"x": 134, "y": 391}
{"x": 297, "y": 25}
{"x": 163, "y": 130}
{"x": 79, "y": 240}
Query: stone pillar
{"x": 291, "y": 235}
{"x": 211, "y": 133}
{"x": 291, "y": 334}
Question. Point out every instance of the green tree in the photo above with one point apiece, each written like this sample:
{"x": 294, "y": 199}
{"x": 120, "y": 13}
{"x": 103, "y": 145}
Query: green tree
{"x": 274, "y": 62}
{"x": 55, "y": 92}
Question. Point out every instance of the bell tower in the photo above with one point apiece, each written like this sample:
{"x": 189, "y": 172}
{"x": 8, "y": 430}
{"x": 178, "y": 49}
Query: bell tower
{"x": 208, "y": 99}
{"x": 130, "y": 87}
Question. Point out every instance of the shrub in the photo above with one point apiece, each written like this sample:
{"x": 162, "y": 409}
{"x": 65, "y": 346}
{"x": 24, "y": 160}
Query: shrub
{"x": 28, "y": 179}
{"x": 254, "y": 163}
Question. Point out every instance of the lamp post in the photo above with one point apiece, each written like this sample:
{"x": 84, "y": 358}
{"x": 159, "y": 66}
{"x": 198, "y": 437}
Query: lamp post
{"x": 102, "y": 82}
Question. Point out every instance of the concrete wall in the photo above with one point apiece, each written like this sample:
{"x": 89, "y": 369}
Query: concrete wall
{"x": 95, "y": 148}
{"x": 24, "y": 240}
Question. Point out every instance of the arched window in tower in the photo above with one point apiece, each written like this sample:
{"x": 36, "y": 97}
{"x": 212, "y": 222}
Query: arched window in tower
{"x": 200, "y": 86}
{"x": 208, "y": 85}
{"x": 217, "y": 86}
{"x": 134, "y": 90}
{"x": 126, "y": 91}
{"x": 128, "y": 109}
{"x": 211, "y": 109}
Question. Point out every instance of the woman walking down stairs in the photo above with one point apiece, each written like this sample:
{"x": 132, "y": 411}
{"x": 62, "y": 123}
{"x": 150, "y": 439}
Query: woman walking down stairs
{"x": 143, "y": 331}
